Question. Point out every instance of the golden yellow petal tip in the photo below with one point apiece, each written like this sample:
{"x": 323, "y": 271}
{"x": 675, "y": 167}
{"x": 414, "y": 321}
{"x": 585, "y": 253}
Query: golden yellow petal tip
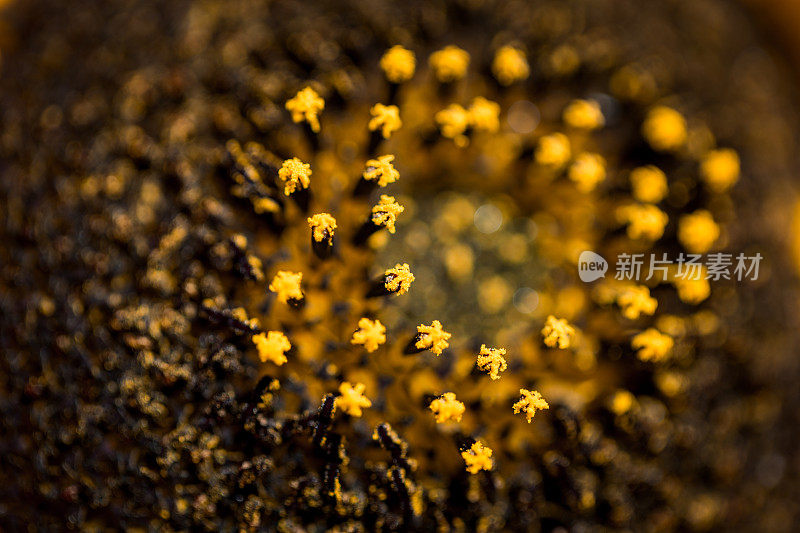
{"x": 697, "y": 231}
{"x": 385, "y": 212}
{"x": 449, "y": 64}
{"x": 529, "y": 403}
{"x": 433, "y": 338}
{"x": 583, "y": 115}
{"x": 381, "y": 170}
{"x": 398, "y": 64}
{"x": 720, "y": 169}
{"x": 351, "y": 399}
{"x": 294, "y": 174}
{"x": 385, "y": 117}
{"x": 272, "y": 346}
{"x": 446, "y": 408}
{"x": 557, "y": 332}
{"x": 398, "y": 279}
{"x": 652, "y": 345}
{"x": 491, "y": 360}
{"x": 306, "y": 105}
{"x": 665, "y": 129}
{"x": 510, "y": 65}
{"x": 286, "y": 285}
{"x": 477, "y": 458}
{"x": 323, "y": 226}
{"x": 554, "y": 150}
{"x": 370, "y": 334}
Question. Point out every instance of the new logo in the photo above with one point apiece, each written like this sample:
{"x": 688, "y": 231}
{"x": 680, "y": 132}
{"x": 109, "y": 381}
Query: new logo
{"x": 591, "y": 266}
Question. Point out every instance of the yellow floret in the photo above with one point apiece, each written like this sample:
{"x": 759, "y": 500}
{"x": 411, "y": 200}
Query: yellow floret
{"x": 648, "y": 184}
{"x": 477, "y": 458}
{"x": 306, "y": 105}
{"x": 645, "y": 221}
{"x": 584, "y": 115}
{"x": 697, "y": 231}
{"x": 652, "y": 345}
{"x": 398, "y": 64}
{"x": 398, "y": 278}
{"x": 491, "y": 360}
{"x": 553, "y": 150}
{"x": 453, "y": 121}
{"x": 484, "y": 115}
{"x": 322, "y": 226}
{"x": 385, "y": 117}
{"x": 449, "y": 64}
{"x": 720, "y": 169}
{"x": 664, "y": 128}
{"x": 370, "y": 333}
{"x": 530, "y": 402}
{"x": 446, "y": 408}
{"x": 557, "y": 332}
{"x": 509, "y": 65}
{"x": 287, "y": 285}
{"x": 351, "y": 398}
{"x": 587, "y": 171}
{"x": 635, "y": 300}
{"x": 382, "y": 170}
{"x": 432, "y": 338}
{"x": 294, "y": 173}
{"x": 272, "y": 347}
{"x": 385, "y": 212}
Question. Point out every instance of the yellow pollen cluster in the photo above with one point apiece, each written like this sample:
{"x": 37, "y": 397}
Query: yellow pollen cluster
{"x": 491, "y": 360}
{"x": 652, "y": 345}
{"x": 287, "y": 285}
{"x": 382, "y": 170}
{"x": 484, "y": 115}
{"x": 385, "y": 212}
{"x": 635, "y": 300}
{"x": 583, "y": 115}
{"x": 322, "y": 227}
{"x": 400, "y": 278}
{"x": 432, "y": 338}
{"x": 720, "y": 169}
{"x": 272, "y": 347}
{"x": 557, "y": 332}
{"x": 370, "y": 334}
{"x": 446, "y": 408}
{"x": 351, "y": 399}
{"x": 692, "y": 290}
{"x": 587, "y": 171}
{"x": 477, "y": 458}
{"x": 306, "y": 105}
{"x": 294, "y": 173}
{"x": 385, "y": 117}
{"x": 648, "y": 184}
{"x": 453, "y": 121}
{"x": 553, "y": 150}
{"x": 697, "y": 231}
{"x": 449, "y": 64}
{"x": 398, "y": 64}
{"x": 664, "y": 128}
{"x": 509, "y": 65}
{"x": 645, "y": 221}
{"x": 530, "y": 402}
